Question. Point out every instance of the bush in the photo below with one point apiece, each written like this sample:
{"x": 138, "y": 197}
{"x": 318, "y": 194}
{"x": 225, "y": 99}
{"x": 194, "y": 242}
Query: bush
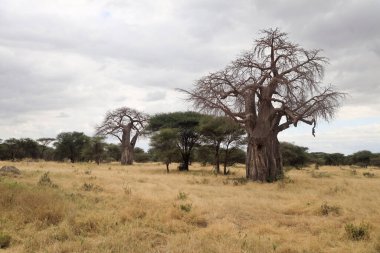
{"x": 46, "y": 181}
{"x": 327, "y": 209}
{"x": 185, "y": 207}
{"x": 91, "y": 187}
{"x": 357, "y": 232}
{"x": 182, "y": 195}
{"x": 5, "y": 240}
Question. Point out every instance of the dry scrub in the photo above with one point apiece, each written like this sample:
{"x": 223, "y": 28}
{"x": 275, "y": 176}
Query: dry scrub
{"x": 140, "y": 208}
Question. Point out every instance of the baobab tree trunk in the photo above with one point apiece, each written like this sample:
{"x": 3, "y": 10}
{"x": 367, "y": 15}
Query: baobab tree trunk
{"x": 127, "y": 155}
{"x": 264, "y": 161}
{"x": 127, "y": 146}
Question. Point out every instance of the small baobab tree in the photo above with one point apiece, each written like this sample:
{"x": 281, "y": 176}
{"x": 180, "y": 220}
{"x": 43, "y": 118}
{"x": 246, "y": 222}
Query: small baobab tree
{"x": 126, "y": 125}
{"x": 266, "y": 90}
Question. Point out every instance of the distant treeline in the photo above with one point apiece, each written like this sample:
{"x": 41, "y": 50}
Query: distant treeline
{"x": 78, "y": 147}
{"x": 297, "y": 156}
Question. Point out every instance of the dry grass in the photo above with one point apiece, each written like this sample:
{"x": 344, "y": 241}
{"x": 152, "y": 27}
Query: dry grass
{"x": 140, "y": 208}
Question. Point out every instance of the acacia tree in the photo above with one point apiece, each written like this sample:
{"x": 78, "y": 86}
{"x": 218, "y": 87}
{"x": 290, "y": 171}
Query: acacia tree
{"x": 234, "y": 139}
{"x": 71, "y": 145}
{"x": 126, "y": 125}
{"x": 185, "y": 125}
{"x": 164, "y": 146}
{"x": 44, "y": 142}
{"x": 218, "y": 131}
{"x": 268, "y": 89}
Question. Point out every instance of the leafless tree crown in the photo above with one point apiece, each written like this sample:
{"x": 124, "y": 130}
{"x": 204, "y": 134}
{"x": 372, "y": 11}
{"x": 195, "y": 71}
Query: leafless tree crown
{"x": 276, "y": 71}
{"x": 122, "y": 119}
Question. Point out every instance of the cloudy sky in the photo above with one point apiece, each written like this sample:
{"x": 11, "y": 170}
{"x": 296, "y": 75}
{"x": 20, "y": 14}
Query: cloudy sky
{"x": 64, "y": 63}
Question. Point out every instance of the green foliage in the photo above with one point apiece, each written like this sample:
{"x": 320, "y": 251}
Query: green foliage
{"x": 185, "y": 207}
{"x": 164, "y": 145}
{"x": 113, "y": 152}
{"x": 293, "y": 155}
{"x": 204, "y": 155}
{"x": 17, "y": 149}
{"x": 357, "y": 232}
{"x": 235, "y": 155}
{"x": 182, "y": 196}
{"x": 375, "y": 160}
{"x": 71, "y": 145}
{"x": 94, "y": 149}
{"x": 362, "y": 158}
{"x": 5, "y": 241}
{"x": 46, "y": 181}
{"x": 185, "y": 125}
{"x": 176, "y": 120}
{"x": 141, "y": 156}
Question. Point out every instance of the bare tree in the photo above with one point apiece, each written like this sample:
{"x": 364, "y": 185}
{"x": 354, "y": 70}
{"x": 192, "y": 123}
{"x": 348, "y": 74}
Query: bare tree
{"x": 268, "y": 89}
{"x": 126, "y": 125}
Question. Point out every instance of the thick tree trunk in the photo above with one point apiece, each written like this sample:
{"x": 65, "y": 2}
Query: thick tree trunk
{"x": 127, "y": 146}
{"x": 264, "y": 161}
{"x": 127, "y": 155}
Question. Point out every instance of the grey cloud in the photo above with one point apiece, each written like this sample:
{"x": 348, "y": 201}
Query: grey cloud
{"x": 87, "y": 57}
{"x": 155, "y": 96}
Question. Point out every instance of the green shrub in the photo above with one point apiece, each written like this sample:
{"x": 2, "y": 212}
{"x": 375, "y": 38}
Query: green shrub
{"x": 357, "y": 232}
{"x": 46, "y": 181}
{"x": 185, "y": 207}
{"x": 5, "y": 240}
{"x": 182, "y": 195}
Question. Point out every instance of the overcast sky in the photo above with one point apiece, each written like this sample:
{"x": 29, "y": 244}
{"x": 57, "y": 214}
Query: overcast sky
{"x": 64, "y": 63}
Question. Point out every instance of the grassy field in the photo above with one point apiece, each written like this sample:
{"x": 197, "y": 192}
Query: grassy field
{"x": 140, "y": 208}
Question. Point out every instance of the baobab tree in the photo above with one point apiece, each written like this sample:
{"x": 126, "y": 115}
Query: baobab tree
{"x": 267, "y": 89}
{"x": 126, "y": 125}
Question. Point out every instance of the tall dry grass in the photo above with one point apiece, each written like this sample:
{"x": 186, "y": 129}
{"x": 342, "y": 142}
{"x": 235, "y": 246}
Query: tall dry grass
{"x": 140, "y": 208}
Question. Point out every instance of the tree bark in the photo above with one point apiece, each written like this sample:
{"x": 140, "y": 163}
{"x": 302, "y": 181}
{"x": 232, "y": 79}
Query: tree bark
{"x": 264, "y": 161}
{"x": 184, "y": 166}
{"x": 216, "y": 158}
{"x": 127, "y": 152}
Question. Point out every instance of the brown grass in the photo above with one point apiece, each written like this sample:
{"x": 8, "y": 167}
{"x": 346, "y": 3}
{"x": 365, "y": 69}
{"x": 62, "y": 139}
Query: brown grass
{"x": 140, "y": 208}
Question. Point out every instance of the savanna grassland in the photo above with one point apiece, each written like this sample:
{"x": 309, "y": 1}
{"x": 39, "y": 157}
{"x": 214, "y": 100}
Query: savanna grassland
{"x": 140, "y": 208}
